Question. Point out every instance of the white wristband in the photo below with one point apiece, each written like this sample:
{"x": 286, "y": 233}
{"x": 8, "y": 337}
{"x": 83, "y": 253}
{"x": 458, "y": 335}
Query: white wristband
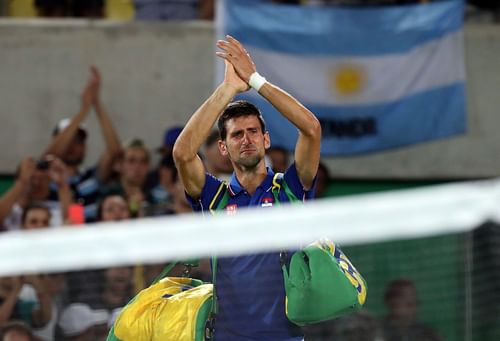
{"x": 256, "y": 81}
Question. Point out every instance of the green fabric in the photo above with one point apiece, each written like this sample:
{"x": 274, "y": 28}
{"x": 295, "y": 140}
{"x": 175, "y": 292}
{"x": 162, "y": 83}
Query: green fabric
{"x": 204, "y": 313}
{"x": 321, "y": 285}
{"x": 278, "y": 183}
{"x": 111, "y": 335}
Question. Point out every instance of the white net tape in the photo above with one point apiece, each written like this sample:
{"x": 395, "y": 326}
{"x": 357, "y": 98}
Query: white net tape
{"x": 351, "y": 220}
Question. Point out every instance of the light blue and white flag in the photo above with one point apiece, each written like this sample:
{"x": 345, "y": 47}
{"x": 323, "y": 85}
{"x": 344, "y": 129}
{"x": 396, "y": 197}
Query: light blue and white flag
{"x": 376, "y": 77}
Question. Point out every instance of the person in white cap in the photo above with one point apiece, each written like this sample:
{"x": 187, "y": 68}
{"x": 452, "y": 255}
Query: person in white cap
{"x": 69, "y": 144}
{"x": 78, "y": 322}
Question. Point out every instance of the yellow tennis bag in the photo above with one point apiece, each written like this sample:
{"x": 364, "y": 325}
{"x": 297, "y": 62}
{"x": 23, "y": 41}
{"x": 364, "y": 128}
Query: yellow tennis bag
{"x": 172, "y": 309}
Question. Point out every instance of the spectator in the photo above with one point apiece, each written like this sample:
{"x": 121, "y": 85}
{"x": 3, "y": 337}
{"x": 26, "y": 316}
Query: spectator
{"x": 117, "y": 288}
{"x": 79, "y": 322}
{"x": 113, "y": 207}
{"x": 174, "y": 9}
{"x": 25, "y": 298}
{"x": 358, "y": 326}
{"x": 164, "y": 150}
{"x": 87, "y": 286}
{"x": 401, "y": 322}
{"x": 161, "y": 196}
{"x": 55, "y": 286}
{"x": 108, "y": 290}
{"x": 134, "y": 168}
{"x": 279, "y": 159}
{"x": 32, "y": 186}
{"x": 69, "y": 143}
{"x": 35, "y": 216}
{"x": 169, "y": 138}
{"x": 16, "y": 331}
{"x": 215, "y": 163}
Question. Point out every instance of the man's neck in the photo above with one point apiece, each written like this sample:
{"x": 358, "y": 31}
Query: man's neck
{"x": 250, "y": 179}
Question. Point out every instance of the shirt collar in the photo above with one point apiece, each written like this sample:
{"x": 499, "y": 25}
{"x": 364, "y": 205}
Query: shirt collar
{"x": 236, "y": 188}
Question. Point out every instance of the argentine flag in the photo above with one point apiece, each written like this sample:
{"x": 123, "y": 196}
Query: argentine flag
{"x": 376, "y": 77}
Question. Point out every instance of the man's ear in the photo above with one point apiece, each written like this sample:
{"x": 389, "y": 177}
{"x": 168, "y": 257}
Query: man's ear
{"x": 267, "y": 140}
{"x": 222, "y": 148}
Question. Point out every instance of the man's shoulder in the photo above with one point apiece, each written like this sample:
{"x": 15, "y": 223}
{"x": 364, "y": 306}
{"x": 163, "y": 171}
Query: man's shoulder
{"x": 292, "y": 179}
{"x": 213, "y": 188}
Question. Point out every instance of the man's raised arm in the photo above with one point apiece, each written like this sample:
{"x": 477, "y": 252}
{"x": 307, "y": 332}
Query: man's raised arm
{"x": 63, "y": 139}
{"x": 113, "y": 144}
{"x": 307, "y": 150}
{"x": 185, "y": 152}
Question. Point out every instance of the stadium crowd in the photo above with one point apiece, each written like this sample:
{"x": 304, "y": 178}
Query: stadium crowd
{"x": 53, "y": 190}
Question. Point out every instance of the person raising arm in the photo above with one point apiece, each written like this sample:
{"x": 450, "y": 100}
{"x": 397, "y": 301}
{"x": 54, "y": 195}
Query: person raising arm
{"x": 259, "y": 313}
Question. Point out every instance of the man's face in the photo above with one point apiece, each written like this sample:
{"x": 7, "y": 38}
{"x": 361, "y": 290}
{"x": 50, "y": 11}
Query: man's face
{"x": 245, "y": 143}
{"x": 135, "y": 166}
{"x": 114, "y": 208}
{"x": 75, "y": 153}
{"x": 36, "y": 218}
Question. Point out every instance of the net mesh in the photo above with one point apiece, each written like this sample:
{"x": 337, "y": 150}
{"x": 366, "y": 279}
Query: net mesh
{"x": 444, "y": 240}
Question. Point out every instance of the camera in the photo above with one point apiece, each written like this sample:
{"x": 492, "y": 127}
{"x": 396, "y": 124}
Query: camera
{"x": 42, "y": 164}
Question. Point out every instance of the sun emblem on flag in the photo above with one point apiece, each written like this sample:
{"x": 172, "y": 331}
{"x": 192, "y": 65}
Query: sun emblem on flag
{"x": 347, "y": 79}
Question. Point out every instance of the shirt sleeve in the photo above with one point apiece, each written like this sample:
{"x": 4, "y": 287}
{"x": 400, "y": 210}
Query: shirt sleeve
{"x": 293, "y": 181}
{"x": 210, "y": 189}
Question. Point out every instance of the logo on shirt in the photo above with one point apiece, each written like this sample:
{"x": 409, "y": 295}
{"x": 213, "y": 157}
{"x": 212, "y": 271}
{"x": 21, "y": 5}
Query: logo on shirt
{"x": 267, "y": 202}
{"x": 231, "y": 209}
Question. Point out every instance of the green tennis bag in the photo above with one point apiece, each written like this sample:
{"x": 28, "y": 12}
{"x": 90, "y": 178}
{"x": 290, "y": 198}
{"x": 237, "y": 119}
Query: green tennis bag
{"x": 321, "y": 284}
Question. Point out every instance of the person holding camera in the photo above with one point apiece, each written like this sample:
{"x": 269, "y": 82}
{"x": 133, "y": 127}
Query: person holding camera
{"x": 32, "y": 186}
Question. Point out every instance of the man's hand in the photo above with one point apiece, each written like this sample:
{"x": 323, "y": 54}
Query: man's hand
{"x": 57, "y": 171}
{"x": 26, "y": 170}
{"x": 232, "y": 79}
{"x": 238, "y": 56}
{"x": 90, "y": 95}
{"x": 96, "y": 79}
{"x": 15, "y": 285}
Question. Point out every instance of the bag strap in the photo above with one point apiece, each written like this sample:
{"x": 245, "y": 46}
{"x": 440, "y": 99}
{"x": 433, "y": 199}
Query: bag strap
{"x": 164, "y": 272}
{"x": 215, "y": 206}
{"x": 279, "y": 183}
{"x": 219, "y": 206}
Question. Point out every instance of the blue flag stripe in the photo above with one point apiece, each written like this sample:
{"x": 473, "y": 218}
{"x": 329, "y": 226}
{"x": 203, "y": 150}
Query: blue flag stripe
{"x": 429, "y": 115}
{"x": 338, "y": 31}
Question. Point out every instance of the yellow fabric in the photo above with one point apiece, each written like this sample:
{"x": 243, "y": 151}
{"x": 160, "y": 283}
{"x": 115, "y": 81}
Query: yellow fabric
{"x": 22, "y": 8}
{"x": 153, "y": 317}
{"x": 120, "y": 9}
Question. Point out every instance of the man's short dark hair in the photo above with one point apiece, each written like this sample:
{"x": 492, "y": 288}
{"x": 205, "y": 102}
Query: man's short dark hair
{"x": 34, "y": 206}
{"x": 396, "y": 287}
{"x": 239, "y": 109}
